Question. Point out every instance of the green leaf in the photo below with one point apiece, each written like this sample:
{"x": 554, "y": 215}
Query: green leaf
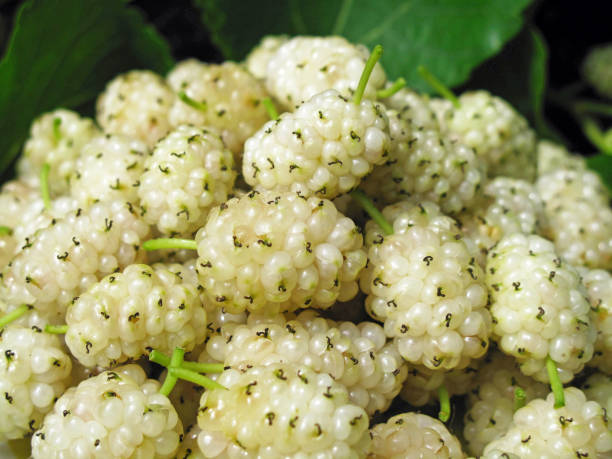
{"x": 62, "y": 53}
{"x": 449, "y": 37}
{"x": 602, "y": 164}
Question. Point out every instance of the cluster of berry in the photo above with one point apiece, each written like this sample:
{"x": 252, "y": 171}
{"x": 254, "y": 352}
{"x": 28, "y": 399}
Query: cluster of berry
{"x": 190, "y": 217}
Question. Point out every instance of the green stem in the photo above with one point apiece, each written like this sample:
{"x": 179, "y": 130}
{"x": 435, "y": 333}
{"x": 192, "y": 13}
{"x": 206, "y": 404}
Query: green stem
{"x": 367, "y": 71}
{"x": 342, "y": 17}
{"x": 593, "y": 132}
{"x": 372, "y": 211}
{"x": 57, "y": 122}
{"x": 169, "y": 243}
{"x": 163, "y": 360}
{"x": 175, "y": 361}
{"x": 14, "y": 315}
{"x": 5, "y": 231}
{"x": 445, "y": 409}
{"x": 195, "y": 378}
{"x": 56, "y": 329}
{"x": 519, "y": 398}
{"x": 438, "y": 86}
{"x": 202, "y": 106}
{"x": 592, "y": 106}
{"x": 388, "y": 92}
{"x": 44, "y": 185}
{"x": 270, "y": 108}
{"x": 555, "y": 382}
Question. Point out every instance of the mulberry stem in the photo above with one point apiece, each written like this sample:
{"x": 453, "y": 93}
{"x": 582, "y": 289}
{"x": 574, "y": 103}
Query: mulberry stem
{"x": 44, "y": 185}
{"x": 201, "y": 106}
{"x": 388, "y": 92}
{"x": 175, "y": 361}
{"x": 195, "y": 378}
{"x": 56, "y": 329}
{"x": 163, "y": 360}
{"x": 169, "y": 243}
{"x": 14, "y": 315}
{"x": 372, "y": 211}
{"x": 519, "y": 398}
{"x": 5, "y": 231}
{"x": 367, "y": 71}
{"x": 445, "y": 408}
{"x": 555, "y": 382}
{"x": 270, "y": 108}
{"x": 438, "y": 86}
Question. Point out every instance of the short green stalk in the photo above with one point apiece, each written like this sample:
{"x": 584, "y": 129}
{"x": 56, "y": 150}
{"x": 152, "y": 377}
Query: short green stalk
{"x": 438, "y": 86}
{"x": 596, "y": 136}
{"x": 175, "y": 361}
{"x": 270, "y": 108}
{"x": 163, "y": 360}
{"x": 445, "y": 408}
{"x": 367, "y": 71}
{"x": 388, "y": 92}
{"x": 14, "y": 315}
{"x": 519, "y": 398}
{"x": 196, "y": 378}
{"x": 44, "y": 185}
{"x": 375, "y": 214}
{"x": 56, "y": 329}
{"x": 5, "y": 231}
{"x": 169, "y": 243}
{"x": 201, "y": 106}
{"x": 555, "y": 382}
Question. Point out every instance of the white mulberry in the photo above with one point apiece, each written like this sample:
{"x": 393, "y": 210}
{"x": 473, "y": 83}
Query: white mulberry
{"x": 324, "y": 148}
{"x": 424, "y": 284}
{"x": 278, "y": 251}
{"x": 189, "y": 172}
{"x": 136, "y": 104}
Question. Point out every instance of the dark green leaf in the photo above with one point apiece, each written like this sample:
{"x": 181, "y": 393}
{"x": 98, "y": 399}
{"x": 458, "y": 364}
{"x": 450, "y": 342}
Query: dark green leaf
{"x": 449, "y": 37}
{"x": 62, "y": 53}
{"x": 602, "y": 164}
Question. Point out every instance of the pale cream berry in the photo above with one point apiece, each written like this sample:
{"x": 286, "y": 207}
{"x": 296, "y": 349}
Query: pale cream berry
{"x": 35, "y": 369}
{"x": 278, "y": 252}
{"x": 108, "y": 168}
{"x": 136, "y": 104}
{"x": 117, "y": 414}
{"x": 491, "y": 400}
{"x": 507, "y": 206}
{"x": 257, "y": 60}
{"x": 128, "y": 314}
{"x": 579, "y": 429}
{"x": 553, "y": 156}
{"x": 356, "y": 355}
{"x": 412, "y": 436}
{"x": 598, "y": 283}
{"x": 539, "y": 307}
{"x": 56, "y": 138}
{"x": 423, "y": 282}
{"x": 424, "y": 164}
{"x": 281, "y": 410}
{"x": 577, "y": 205}
{"x": 324, "y": 148}
{"x": 305, "y": 66}
{"x": 189, "y": 172}
{"x": 62, "y": 260}
{"x": 228, "y": 98}
{"x": 500, "y": 136}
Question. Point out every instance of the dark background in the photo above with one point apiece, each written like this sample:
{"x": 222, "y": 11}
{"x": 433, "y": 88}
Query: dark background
{"x": 570, "y": 28}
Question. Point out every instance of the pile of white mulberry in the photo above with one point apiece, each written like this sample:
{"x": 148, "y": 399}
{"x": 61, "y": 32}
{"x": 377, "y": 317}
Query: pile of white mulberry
{"x": 483, "y": 272}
